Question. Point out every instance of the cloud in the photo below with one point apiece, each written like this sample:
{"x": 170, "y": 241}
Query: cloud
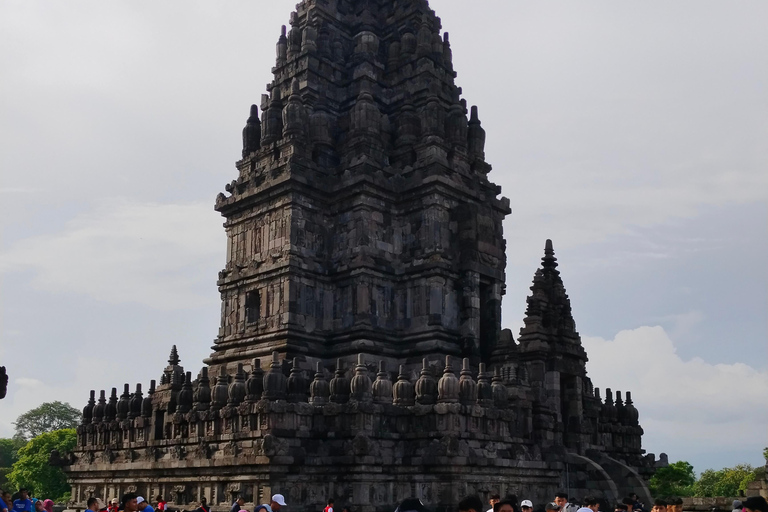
{"x": 160, "y": 255}
{"x": 686, "y": 407}
{"x": 27, "y": 392}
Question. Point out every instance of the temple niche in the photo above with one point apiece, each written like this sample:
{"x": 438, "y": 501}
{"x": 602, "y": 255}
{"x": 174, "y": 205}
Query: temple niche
{"x": 361, "y": 308}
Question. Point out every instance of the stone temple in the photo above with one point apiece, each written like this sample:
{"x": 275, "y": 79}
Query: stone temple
{"x": 361, "y": 354}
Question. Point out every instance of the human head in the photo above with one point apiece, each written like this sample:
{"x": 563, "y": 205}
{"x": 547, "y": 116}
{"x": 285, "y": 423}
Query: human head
{"x": 330, "y": 502}
{"x": 24, "y": 494}
{"x": 278, "y": 500}
{"x": 505, "y": 505}
{"x": 158, "y": 498}
{"x": 95, "y": 504}
{"x": 115, "y": 501}
{"x": 552, "y": 507}
{"x": 471, "y": 504}
{"x": 48, "y": 505}
{"x": 620, "y": 507}
{"x": 755, "y": 504}
{"x": 629, "y": 503}
{"x": 561, "y": 499}
{"x": 39, "y": 506}
{"x": 678, "y": 504}
{"x": 494, "y": 499}
{"x": 591, "y": 503}
{"x": 659, "y": 505}
{"x": 526, "y": 506}
{"x": 141, "y": 503}
{"x": 240, "y": 501}
{"x": 129, "y": 502}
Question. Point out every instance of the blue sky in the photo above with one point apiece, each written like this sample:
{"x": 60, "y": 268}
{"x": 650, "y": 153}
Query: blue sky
{"x": 632, "y": 134}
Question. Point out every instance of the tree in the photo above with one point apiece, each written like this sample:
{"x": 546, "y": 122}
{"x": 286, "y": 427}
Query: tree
{"x": 32, "y": 470}
{"x": 725, "y": 482}
{"x": 48, "y": 417}
{"x": 9, "y": 453}
{"x": 676, "y": 479}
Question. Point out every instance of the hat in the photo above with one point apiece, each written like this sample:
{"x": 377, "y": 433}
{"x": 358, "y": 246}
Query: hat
{"x": 279, "y": 499}
{"x": 526, "y": 503}
{"x": 100, "y": 504}
{"x": 552, "y": 506}
{"x": 140, "y": 499}
{"x": 115, "y": 501}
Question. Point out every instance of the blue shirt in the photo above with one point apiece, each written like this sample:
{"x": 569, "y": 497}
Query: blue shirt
{"x": 148, "y": 508}
{"x": 22, "y": 505}
{"x": 2, "y": 505}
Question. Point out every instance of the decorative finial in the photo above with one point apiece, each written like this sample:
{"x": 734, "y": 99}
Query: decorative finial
{"x": 549, "y": 261}
{"x": 174, "y": 360}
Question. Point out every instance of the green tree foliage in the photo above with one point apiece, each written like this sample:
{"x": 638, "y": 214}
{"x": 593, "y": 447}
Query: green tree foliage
{"x": 33, "y": 471}
{"x": 677, "y": 479}
{"x": 48, "y": 417}
{"x": 725, "y": 482}
{"x": 765, "y": 453}
{"x": 9, "y": 453}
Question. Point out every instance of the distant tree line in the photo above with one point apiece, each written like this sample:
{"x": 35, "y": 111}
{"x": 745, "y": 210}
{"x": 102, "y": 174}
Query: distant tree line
{"x": 679, "y": 479}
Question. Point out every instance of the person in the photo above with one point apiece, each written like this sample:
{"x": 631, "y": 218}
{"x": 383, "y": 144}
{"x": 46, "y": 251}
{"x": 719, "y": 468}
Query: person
{"x": 620, "y": 507}
{"x": 755, "y": 504}
{"x": 471, "y": 504}
{"x": 7, "y": 501}
{"x": 636, "y": 504}
{"x": 23, "y": 504}
{"x": 129, "y": 502}
{"x": 3, "y": 506}
{"x": 329, "y": 507}
{"x": 161, "y": 504}
{"x": 505, "y": 505}
{"x": 561, "y": 500}
{"x": 590, "y": 504}
{"x": 48, "y": 505}
{"x": 238, "y": 504}
{"x": 39, "y": 506}
{"x": 526, "y": 506}
{"x": 143, "y": 505}
{"x": 678, "y": 505}
{"x": 408, "y": 505}
{"x": 552, "y": 507}
{"x": 659, "y": 505}
{"x": 95, "y": 504}
{"x": 278, "y": 500}
{"x": 114, "y": 505}
{"x": 495, "y": 498}
{"x": 203, "y": 506}
{"x": 629, "y": 503}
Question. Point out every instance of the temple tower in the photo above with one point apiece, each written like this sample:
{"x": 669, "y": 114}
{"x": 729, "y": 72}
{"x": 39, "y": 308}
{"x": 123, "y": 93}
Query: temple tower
{"x": 362, "y": 218}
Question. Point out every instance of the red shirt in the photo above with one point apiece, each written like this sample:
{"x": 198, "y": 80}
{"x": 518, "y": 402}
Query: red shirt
{"x": 161, "y": 505}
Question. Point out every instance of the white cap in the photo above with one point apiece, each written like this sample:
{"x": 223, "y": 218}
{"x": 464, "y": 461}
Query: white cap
{"x": 139, "y": 500}
{"x": 279, "y": 499}
{"x": 526, "y": 503}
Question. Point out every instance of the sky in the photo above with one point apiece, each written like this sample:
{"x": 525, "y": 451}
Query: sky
{"x": 633, "y": 134}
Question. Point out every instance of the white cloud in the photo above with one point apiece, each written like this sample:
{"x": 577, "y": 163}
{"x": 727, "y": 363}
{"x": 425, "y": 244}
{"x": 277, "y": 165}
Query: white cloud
{"x": 161, "y": 255}
{"x": 26, "y": 393}
{"x": 687, "y": 408}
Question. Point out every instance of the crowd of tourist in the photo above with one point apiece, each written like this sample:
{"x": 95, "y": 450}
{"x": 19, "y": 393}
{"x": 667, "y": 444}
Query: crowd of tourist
{"x": 131, "y": 502}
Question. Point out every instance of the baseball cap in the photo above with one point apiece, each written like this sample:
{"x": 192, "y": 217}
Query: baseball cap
{"x": 279, "y": 499}
{"x": 526, "y": 503}
{"x": 115, "y": 501}
{"x": 140, "y": 499}
{"x": 552, "y": 506}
